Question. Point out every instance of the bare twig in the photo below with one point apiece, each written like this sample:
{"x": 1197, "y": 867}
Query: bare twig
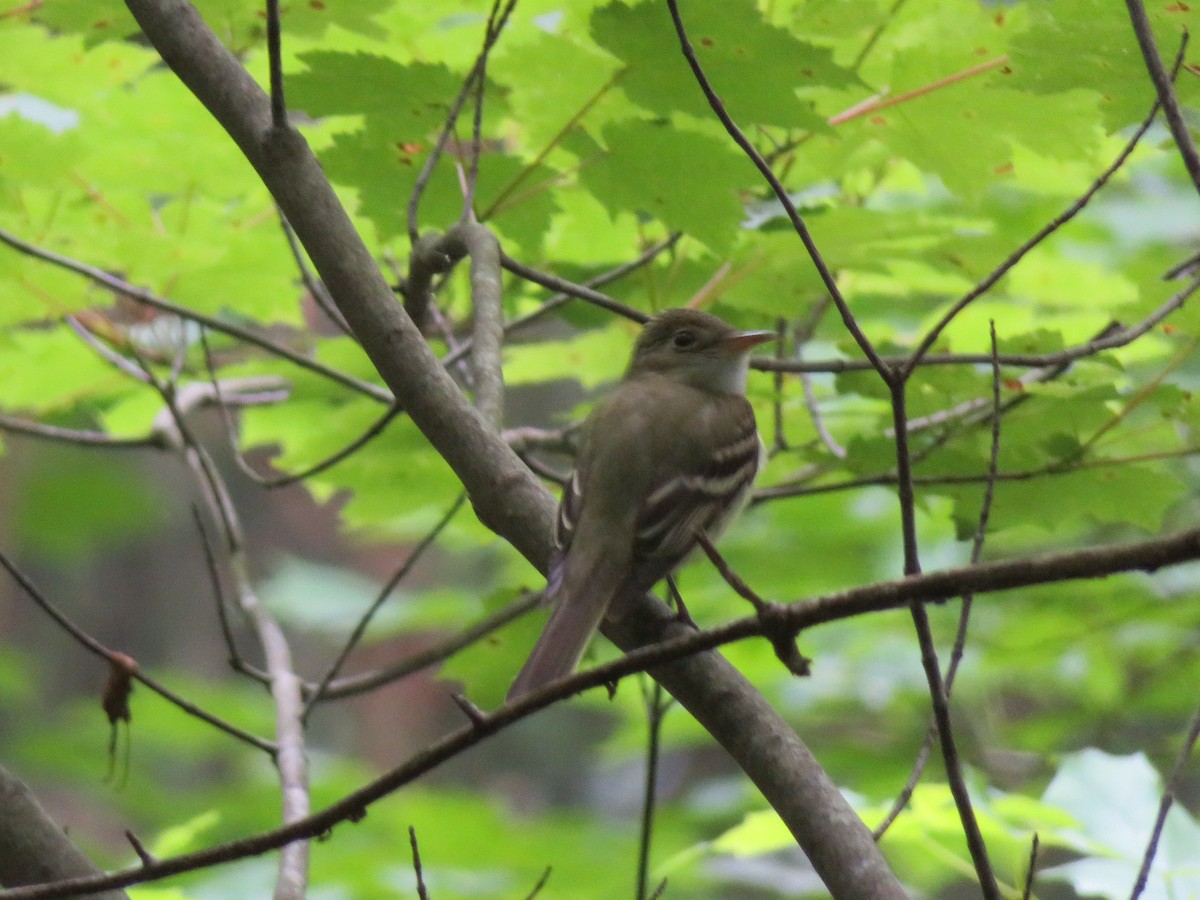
{"x": 1049, "y": 228}
{"x": 422, "y": 891}
{"x": 361, "y": 627}
{"x": 316, "y": 288}
{"x": 95, "y": 647}
{"x": 1091, "y": 562}
{"x": 374, "y": 430}
{"x": 1113, "y": 338}
{"x": 1164, "y": 805}
{"x": 285, "y": 685}
{"x": 582, "y": 292}
{"x": 818, "y": 420}
{"x": 105, "y": 352}
{"x": 780, "y": 440}
{"x": 214, "y": 577}
{"x": 275, "y": 62}
{"x": 541, "y": 883}
{"x": 1163, "y": 84}
{"x": 656, "y": 709}
{"x": 960, "y": 637}
{"x": 929, "y": 661}
{"x": 1053, "y": 469}
{"x": 731, "y": 577}
{"x": 1031, "y": 872}
{"x": 233, "y": 330}
{"x": 876, "y": 33}
{"x": 781, "y": 194}
{"x": 491, "y": 35}
{"x": 559, "y": 299}
{"x": 77, "y": 436}
{"x": 429, "y": 656}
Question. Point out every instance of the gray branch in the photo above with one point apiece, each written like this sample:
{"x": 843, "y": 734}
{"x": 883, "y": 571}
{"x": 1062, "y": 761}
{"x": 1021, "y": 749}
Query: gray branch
{"x": 33, "y": 847}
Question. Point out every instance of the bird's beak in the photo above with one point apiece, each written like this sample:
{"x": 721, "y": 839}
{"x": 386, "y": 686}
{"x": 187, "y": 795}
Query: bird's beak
{"x": 741, "y": 341}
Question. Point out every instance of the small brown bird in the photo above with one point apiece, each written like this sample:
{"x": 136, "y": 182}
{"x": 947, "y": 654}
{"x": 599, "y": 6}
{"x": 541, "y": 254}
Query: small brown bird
{"x": 672, "y": 452}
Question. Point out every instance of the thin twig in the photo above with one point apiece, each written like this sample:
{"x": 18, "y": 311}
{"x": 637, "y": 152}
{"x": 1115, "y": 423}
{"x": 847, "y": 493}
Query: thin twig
{"x": 104, "y": 351}
{"x": 781, "y": 194}
{"x": 1044, "y": 232}
{"x": 422, "y": 891}
{"x": 77, "y": 436}
{"x": 1091, "y": 562}
{"x": 1047, "y": 471}
{"x": 1031, "y": 872}
{"x": 818, "y": 420}
{"x": 275, "y": 63}
{"x": 92, "y": 645}
{"x": 539, "y": 884}
{"x": 1164, "y": 85}
{"x": 214, "y": 577}
{"x": 873, "y": 37}
{"x": 656, "y": 708}
{"x": 1112, "y": 339}
{"x": 480, "y": 78}
{"x": 149, "y": 298}
{"x": 315, "y": 286}
{"x": 1164, "y": 805}
{"x": 929, "y": 660}
{"x": 360, "y": 627}
{"x": 374, "y": 430}
{"x": 780, "y": 438}
{"x": 960, "y": 637}
{"x": 352, "y": 685}
{"x": 414, "y": 201}
{"x": 582, "y": 292}
{"x": 559, "y": 299}
{"x": 286, "y": 687}
{"x": 731, "y": 577}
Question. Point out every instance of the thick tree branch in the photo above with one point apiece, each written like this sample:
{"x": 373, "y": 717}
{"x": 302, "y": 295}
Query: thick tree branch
{"x": 33, "y": 847}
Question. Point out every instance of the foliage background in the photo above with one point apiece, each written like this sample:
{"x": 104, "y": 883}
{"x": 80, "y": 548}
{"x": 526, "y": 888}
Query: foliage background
{"x": 598, "y": 144}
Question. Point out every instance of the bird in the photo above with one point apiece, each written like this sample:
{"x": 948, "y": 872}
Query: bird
{"x": 670, "y": 453}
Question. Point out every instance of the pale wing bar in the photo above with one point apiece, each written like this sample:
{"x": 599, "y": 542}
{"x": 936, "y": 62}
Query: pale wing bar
{"x": 677, "y": 511}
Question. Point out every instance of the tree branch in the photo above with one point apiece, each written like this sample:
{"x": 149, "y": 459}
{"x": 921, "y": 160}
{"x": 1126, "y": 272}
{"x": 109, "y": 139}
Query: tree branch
{"x": 1166, "y": 90}
{"x": 668, "y": 661}
{"x": 33, "y": 847}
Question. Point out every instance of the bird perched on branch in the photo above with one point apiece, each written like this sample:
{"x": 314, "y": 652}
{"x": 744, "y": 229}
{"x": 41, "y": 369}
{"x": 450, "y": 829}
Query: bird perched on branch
{"x": 670, "y": 453}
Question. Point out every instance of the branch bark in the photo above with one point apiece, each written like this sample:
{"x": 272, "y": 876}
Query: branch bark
{"x": 33, "y": 847}
{"x": 506, "y": 496}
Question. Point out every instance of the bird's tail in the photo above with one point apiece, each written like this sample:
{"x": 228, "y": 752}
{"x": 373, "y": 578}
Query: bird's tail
{"x": 575, "y": 618}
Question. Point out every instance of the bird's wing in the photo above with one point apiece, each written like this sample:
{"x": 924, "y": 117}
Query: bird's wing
{"x": 704, "y": 496}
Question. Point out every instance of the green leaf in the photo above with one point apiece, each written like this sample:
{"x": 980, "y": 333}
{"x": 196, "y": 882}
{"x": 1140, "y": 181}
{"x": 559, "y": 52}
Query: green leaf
{"x": 755, "y": 67}
{"x": 685, "y": 179}
{"x": 1105, "y": 53}
{"x": 1115, "y": 799}
{"x": 413, "y": 96}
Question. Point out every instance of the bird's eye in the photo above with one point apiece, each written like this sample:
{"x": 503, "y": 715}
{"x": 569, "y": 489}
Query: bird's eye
{"x": 681, "y": 340}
